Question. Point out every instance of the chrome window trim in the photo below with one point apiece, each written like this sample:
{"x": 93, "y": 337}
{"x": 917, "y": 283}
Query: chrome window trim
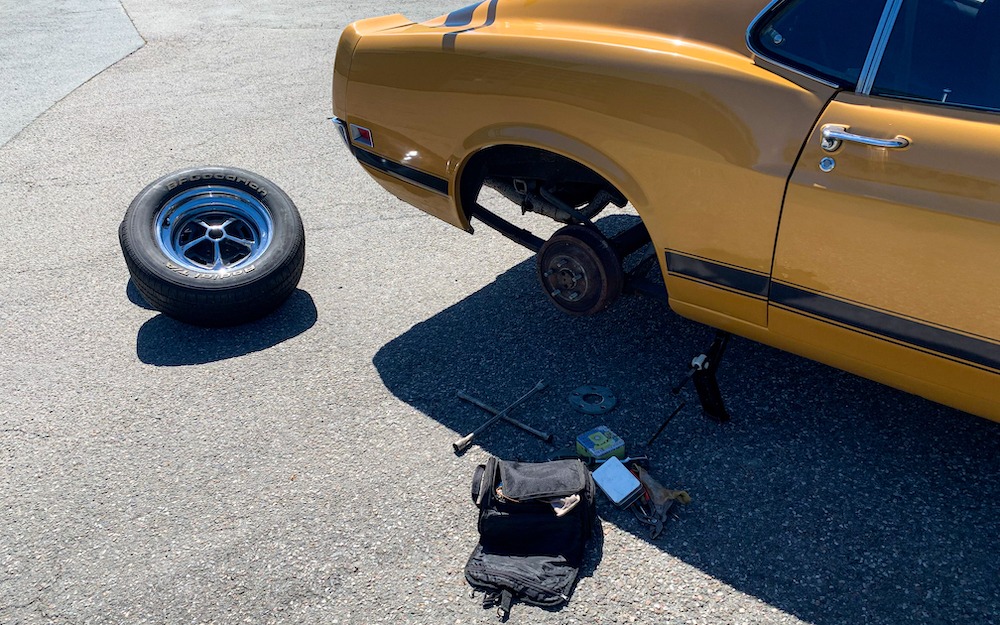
{"x": 749, "y": 41}
{"x": 879, "y": 44}
{"x": 940, "y": 106}
{"x": 773, "y": 4}
{"x": 867, "y": 80}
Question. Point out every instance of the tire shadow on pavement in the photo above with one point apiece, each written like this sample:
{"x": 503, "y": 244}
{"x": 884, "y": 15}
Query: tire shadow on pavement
{"x": 166, "y": 342}
{"x": 134, "y": 296}
{"x": 828, "y": 496}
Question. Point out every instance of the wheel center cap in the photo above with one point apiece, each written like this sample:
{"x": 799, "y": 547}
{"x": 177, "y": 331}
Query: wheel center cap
{"x": 216, "y": 233}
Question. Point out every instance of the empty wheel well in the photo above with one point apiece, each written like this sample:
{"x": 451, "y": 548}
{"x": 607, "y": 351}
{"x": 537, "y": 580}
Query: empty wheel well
{"x": 538, "y": 181}
{"x": 569, "y": 192}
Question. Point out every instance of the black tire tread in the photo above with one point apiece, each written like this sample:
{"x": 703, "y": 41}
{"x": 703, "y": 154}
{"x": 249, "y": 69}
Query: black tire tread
{"x": 244, "y": 301}
{"x": 219, "y": 308}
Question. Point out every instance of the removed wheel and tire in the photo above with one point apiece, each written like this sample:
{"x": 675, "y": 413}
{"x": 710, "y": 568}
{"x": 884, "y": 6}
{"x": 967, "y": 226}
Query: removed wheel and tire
{"x": 213, "y": 246}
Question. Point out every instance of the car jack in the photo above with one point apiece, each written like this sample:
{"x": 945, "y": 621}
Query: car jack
{"x": 703, "y": 368}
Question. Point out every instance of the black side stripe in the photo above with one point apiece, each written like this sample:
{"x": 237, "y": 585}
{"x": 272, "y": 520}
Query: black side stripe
{"x": 491, "y": 13}
{"x": 914, "y": 333}
{"x": 448, "y": 41}
{"x": 921, "y": 335}
{"x": 417, "y": 177}
{"x": 461, "y": 17}
{"x": 723, "y": 275}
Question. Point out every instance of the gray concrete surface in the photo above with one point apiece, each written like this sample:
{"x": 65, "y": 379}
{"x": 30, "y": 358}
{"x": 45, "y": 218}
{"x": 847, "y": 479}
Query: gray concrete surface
{"x": 299, "y": 469}
{"x": 49, "y": 48}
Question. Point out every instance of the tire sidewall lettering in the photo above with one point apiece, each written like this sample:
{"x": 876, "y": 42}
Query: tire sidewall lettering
{"x": 213, "y": 177}
{"x": 218, "y": 276}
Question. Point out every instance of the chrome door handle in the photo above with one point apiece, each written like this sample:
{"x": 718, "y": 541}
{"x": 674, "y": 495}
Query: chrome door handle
{"x": 835, "y": 134}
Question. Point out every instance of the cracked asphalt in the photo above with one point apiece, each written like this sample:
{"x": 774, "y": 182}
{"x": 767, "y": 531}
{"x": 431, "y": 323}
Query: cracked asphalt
{"x": 299, "y": 469}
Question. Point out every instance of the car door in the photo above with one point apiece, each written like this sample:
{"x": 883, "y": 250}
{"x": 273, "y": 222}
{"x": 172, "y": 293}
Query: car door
{"x": 887, "y": 260}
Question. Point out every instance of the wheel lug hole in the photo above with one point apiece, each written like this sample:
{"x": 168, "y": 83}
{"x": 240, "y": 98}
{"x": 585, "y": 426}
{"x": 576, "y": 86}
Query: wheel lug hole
{"x": 567, "y": 279}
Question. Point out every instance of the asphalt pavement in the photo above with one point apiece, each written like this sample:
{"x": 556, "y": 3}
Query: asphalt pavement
{"x": 49, "y": 48}
{"x": 299, "y": 469}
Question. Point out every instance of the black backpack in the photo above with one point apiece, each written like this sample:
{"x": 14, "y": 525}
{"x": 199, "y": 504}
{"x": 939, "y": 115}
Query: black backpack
{"x": 526, "y": 551}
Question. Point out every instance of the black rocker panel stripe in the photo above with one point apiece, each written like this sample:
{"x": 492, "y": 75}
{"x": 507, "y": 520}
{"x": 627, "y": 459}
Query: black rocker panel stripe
{"x": 723, "y": 275}
{"x": 918, "y": 334}
{"x": 908, "y": 331}
{"x": 440, "y": 185}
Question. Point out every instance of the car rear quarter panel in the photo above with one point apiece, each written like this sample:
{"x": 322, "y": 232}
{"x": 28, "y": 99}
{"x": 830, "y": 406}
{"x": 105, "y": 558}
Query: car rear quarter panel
{"x": 697, "y": 137}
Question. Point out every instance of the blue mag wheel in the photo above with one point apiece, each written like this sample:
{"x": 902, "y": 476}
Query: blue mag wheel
{"x": 213, "y": 246}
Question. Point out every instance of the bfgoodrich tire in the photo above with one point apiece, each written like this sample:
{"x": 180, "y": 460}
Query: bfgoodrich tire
{"x": 213, "y": 246}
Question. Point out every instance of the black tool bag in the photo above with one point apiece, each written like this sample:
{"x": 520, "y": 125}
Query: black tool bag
{"x": 527, "y": 551}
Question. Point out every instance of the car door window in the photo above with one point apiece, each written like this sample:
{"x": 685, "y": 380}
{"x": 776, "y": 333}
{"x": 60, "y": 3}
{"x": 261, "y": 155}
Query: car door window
{"x": 944, "y": 51}
{"x": 828, "y": 39}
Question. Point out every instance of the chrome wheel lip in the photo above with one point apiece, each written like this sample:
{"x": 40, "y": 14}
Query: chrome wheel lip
{"x": 213, "y": 229}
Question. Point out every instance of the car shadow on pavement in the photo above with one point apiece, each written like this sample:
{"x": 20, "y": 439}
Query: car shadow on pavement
{"x": 166, "y": 342}
{"x": 827, "y": 496}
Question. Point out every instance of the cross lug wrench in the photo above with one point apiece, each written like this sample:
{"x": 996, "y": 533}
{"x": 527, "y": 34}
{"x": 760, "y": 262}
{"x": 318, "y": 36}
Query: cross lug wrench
{"x": 461, "y": 444}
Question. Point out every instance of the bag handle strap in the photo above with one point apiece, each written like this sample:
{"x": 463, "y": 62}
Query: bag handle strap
{"x": 503, "y": 610}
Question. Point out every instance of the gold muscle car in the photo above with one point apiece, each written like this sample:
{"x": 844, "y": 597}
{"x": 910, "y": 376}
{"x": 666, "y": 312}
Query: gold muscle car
{"x": 819, "y": 175}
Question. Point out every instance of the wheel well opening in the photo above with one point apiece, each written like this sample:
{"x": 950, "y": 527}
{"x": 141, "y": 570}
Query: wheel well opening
{"x": 538, "y": 181}
{"x": 568, "y": 192}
